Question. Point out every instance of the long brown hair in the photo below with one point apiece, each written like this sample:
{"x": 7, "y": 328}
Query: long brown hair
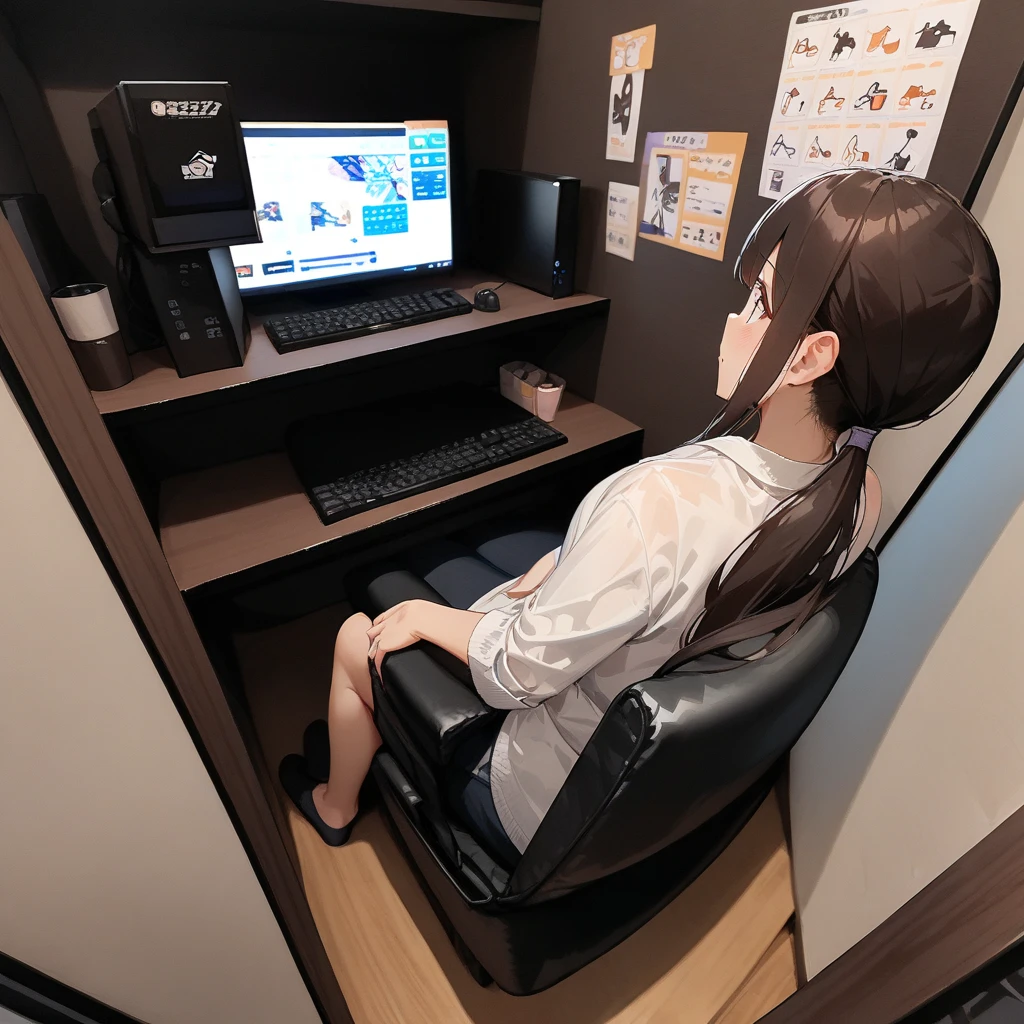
{"x": 908, "y": 281}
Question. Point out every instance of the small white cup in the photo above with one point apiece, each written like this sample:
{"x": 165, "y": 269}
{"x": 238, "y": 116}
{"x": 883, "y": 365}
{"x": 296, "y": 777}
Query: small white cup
{"x": 85, "y": 311}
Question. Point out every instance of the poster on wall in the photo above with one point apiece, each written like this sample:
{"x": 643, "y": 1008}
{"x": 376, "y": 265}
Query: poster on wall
{"x": 632, "y": 54}
{"x": 633, "y": 51}
{"x": 620, "y": 229}
{"x": 688, "y": 186}
{"x": 624, "y": 116}
{"x": 863, "y": 86}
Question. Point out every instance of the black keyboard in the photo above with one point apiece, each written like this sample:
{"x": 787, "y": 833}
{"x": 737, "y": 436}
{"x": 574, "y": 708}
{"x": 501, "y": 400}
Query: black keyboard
{"x": 341, "y": 458}
{"x": 300, "y": 330}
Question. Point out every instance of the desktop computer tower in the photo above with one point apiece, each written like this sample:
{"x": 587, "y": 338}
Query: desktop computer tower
{"x": 173, "y": 182}
{"x": 526, "y": 229}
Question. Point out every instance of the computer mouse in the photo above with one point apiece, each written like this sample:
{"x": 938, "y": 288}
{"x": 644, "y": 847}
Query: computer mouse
{"x": 487, "y": 300}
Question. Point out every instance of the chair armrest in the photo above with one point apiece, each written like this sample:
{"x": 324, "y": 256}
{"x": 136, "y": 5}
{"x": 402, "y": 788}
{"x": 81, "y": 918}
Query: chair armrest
{"x": 429, "y": 690}
{"x": 437, "y": 707}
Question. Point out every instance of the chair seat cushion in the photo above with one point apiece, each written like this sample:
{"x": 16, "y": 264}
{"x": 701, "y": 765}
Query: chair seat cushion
{"x": 513, "y": 549}
{"x": 373, "y": 589}
{"x": 454, "y": 571}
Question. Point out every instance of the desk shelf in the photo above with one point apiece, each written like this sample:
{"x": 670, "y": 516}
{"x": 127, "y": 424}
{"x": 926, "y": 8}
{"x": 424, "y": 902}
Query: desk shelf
{"x": 158, "y": 390}
{"x": 221, "y": 521}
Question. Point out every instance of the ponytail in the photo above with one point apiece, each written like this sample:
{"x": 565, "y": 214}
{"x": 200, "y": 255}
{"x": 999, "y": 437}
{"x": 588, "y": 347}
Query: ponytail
{"x": 757, "y": 593}
{"x": 907, "y": 280}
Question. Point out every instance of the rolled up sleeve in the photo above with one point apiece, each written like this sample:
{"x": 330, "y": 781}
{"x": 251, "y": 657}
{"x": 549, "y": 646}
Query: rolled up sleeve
{"x": 596, "y": 599}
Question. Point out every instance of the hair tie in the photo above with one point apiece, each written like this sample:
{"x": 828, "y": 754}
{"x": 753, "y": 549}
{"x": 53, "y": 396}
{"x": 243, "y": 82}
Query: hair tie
{"x": 861, "y": 437}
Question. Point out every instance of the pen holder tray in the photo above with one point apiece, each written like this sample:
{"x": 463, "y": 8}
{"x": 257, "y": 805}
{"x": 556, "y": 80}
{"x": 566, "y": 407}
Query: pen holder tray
{"x": 541, "y": 398}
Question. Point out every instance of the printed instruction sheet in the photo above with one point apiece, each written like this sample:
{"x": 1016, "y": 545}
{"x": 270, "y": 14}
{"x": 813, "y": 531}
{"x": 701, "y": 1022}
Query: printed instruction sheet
{"x": 624, "y": 116}
{"x": 864, "y": 85}
{"x": 688, "y": 186}
{"x": 632, "y": 54}
{"x": 620, "y": 230}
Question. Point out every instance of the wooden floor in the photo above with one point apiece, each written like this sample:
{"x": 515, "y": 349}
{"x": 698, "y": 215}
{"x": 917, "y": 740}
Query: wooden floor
{"x": 721, "y": 952}
{"x": 771, "y": 982}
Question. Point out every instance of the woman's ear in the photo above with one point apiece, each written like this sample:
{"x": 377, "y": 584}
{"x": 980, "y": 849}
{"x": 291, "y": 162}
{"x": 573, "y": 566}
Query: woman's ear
{"x": 815, "y": 356}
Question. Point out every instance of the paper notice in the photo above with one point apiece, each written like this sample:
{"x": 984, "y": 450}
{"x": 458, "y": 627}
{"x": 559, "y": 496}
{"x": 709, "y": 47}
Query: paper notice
{"x": 633, "y": 51}
{"x": 689, "y": 184}
{"x": 620, "y": 232}
{"x": 624, "y": 116}
{"x": 863, "y": 86}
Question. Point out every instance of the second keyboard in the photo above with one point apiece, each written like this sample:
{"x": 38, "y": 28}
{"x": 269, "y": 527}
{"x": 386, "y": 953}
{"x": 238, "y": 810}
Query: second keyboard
{"x": 380, "y": 485}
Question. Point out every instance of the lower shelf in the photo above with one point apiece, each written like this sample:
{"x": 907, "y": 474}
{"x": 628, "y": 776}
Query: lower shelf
{"x": 689, "y": 965}
{"x": 224, "y": 520}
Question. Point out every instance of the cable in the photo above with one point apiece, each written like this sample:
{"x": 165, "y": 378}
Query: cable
{"x": 143, "y": 326}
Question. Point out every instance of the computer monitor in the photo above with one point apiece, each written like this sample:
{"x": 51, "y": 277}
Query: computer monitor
{"x": 345, "y": 202}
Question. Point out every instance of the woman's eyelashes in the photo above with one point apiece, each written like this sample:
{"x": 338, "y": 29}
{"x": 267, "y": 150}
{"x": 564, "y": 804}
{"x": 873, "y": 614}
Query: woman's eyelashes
{"x": 758, "y": 303}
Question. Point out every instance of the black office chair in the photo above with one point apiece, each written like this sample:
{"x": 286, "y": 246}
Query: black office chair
{"x": 675, "y": 769}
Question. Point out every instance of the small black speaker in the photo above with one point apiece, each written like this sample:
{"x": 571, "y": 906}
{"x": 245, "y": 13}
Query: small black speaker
{"x": 52, "y": 261}
{"x": 526, "y": 229}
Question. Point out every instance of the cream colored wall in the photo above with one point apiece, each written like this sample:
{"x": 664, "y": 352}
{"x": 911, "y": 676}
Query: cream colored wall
{"x": 917, "y": 754}
{"x": 122, "y": 875}
{"x": 902, "y": 458}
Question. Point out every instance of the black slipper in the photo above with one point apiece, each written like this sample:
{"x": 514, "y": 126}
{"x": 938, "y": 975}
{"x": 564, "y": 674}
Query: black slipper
{"x": 299, "y": 785}
{"x": 316, "y": 746}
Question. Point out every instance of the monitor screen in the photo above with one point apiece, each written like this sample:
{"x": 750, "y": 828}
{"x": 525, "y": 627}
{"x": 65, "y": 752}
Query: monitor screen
{"x": 345, "y": 201}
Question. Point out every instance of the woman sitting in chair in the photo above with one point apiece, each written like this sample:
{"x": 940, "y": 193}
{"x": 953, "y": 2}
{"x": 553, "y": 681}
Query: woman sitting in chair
{"x": 873, "y": 298}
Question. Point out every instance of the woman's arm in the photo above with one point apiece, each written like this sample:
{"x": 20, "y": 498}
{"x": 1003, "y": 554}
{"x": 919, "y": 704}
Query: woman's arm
{"x": 446, "y": 627}
{"x": 595, "y": 600}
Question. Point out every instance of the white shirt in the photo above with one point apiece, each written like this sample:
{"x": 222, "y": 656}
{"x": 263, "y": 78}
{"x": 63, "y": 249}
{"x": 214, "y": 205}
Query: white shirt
{"x": 629, "y": 582}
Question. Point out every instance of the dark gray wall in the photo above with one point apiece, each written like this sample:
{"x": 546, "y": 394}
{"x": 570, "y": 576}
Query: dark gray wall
{"x": 14, "y": 173}
{"x": 716, "y": 66}
{"x": 35, "y": 143}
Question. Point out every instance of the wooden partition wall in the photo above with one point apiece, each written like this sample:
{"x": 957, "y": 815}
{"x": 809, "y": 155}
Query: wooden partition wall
{"x": 43, "y": 376}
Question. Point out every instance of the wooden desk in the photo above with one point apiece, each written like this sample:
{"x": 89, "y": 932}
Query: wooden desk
{"x": 230, "y": 518}
{"x": 157, "y": 385}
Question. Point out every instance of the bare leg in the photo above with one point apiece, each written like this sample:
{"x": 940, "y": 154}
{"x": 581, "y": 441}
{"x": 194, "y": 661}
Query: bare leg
{"x": 354, "y": 737}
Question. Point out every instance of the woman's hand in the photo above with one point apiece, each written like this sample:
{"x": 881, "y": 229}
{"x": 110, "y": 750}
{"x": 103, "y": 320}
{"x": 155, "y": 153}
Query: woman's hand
{"x": 410, "y": 621}
{"x": 529, "y": 582}
{"x": 393, "y": 630}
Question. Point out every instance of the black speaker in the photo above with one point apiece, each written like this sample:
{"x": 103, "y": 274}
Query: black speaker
{"x": 52, "y": 261}
{"x": 526, "y": 228}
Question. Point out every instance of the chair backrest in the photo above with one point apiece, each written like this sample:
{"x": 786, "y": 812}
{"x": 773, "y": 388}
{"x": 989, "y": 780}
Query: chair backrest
{"x": 672, "y": 752}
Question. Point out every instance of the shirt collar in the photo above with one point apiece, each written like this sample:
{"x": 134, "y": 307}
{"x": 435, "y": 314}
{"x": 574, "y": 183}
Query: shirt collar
{"x": 767, "y": 467}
